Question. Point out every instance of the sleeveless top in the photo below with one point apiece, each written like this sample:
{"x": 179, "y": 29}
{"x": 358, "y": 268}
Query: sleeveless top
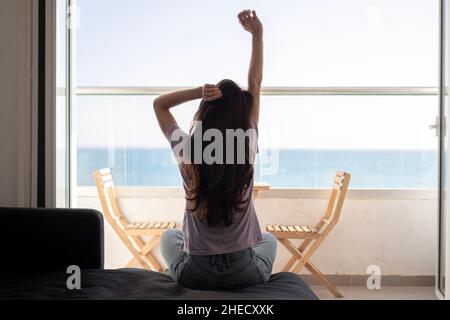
{"x": 199, "y": 237}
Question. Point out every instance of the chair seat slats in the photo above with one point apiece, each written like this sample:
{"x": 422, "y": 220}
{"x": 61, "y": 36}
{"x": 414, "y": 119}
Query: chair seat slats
{"x": 289, "y": 229}
{"x": 151, "y": 225}
{"x": 306, "y": 229}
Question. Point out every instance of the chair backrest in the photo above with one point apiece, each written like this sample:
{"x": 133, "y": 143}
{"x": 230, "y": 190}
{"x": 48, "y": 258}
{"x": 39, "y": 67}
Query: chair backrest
{"x": 108, "y": 198}
{"x": 335, "y": 203}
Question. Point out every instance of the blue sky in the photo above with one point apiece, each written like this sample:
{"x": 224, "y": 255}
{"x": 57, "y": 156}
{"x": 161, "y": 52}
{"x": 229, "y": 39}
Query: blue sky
{"x": 308, "y": 42}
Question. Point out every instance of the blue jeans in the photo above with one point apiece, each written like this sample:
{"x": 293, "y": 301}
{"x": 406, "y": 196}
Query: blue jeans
{"x": 228, "y": 271}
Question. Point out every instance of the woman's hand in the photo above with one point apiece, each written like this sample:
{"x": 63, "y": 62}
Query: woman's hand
{"x": 250, "y": 22}
{"x": 211, "y": 92}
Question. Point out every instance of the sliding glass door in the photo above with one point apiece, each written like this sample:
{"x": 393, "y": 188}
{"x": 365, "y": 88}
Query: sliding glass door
{"x": 62, "y": 102}
{"x": 66, "y": 25}
{"x": 442, "y": 265}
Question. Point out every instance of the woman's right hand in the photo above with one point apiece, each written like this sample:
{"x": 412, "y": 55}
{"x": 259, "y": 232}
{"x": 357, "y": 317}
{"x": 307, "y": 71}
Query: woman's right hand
{"x": 211, "y": 92}
{"x": 250, "y": 22}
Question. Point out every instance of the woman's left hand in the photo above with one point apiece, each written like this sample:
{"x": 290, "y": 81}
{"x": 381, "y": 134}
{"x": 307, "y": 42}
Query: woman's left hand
{"x": 211, "y": 92}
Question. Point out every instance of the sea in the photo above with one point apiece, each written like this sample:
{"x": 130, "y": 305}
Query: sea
{"x": 285, "y": 168}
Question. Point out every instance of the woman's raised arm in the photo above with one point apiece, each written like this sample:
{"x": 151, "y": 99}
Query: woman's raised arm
{"x": 164, "y": 103}
{"x": 250, "y": 22}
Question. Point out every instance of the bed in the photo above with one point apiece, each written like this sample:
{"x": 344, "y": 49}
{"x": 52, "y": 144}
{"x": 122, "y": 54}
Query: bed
{"x": 136, "y": 284}
{"x": 57, "y": 238}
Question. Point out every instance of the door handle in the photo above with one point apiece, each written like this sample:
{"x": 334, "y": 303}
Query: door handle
{"x": 435, "y": 126}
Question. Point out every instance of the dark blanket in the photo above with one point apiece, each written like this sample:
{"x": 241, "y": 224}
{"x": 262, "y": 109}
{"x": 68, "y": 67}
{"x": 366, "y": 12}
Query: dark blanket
{"x": 139, "y": 284}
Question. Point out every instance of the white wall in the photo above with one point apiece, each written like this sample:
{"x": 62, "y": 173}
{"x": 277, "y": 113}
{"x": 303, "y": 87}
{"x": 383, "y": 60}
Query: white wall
{"x": 392, "y": 229}
{"x": 15, "y": 92}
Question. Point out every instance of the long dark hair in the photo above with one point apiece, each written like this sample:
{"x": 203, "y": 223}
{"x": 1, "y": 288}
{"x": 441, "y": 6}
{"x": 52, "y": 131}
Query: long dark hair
{"x": 218, "y": 190}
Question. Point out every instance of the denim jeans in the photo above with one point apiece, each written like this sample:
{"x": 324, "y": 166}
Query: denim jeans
{"x": 228, "y": 271}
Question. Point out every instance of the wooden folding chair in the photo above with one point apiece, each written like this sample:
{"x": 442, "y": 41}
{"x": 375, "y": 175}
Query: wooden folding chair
{"x": 313, "y": 236}
{"x": 130, "y": 234}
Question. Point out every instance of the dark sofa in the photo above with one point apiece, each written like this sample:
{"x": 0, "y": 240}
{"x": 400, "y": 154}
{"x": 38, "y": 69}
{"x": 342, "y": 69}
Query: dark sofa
{"x": 38, "y": 245}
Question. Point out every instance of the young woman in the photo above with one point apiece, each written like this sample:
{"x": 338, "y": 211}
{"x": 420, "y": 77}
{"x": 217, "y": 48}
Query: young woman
{"x": 221, "y": 245}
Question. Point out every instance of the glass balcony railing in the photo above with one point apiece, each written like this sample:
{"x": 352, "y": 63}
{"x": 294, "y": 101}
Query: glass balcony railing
{"x": 381, "y": 135}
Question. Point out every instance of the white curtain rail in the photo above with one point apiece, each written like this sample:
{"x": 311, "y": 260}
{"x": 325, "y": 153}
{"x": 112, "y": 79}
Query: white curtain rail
{"x": 269, "y": 91}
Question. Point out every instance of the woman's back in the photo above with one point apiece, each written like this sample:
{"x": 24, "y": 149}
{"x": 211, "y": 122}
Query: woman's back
{"x": 202, "y": 238}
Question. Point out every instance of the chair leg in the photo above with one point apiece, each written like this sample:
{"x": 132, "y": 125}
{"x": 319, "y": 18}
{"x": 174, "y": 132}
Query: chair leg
{"x": 140, "y": 261}
{"x": 131, "y": 263}
{"x": 307, "y": 254}
{"x": 288, "y": 266}
{"x": 300, "y": 264}
{"x": 146, "y": 251}
{"x": 327, "y": 283}
{"x": 299, "y": 256}
{"x": 296, "y": 253}
{"x": 154, "y": 262}
{"x": 137, "y": 258}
